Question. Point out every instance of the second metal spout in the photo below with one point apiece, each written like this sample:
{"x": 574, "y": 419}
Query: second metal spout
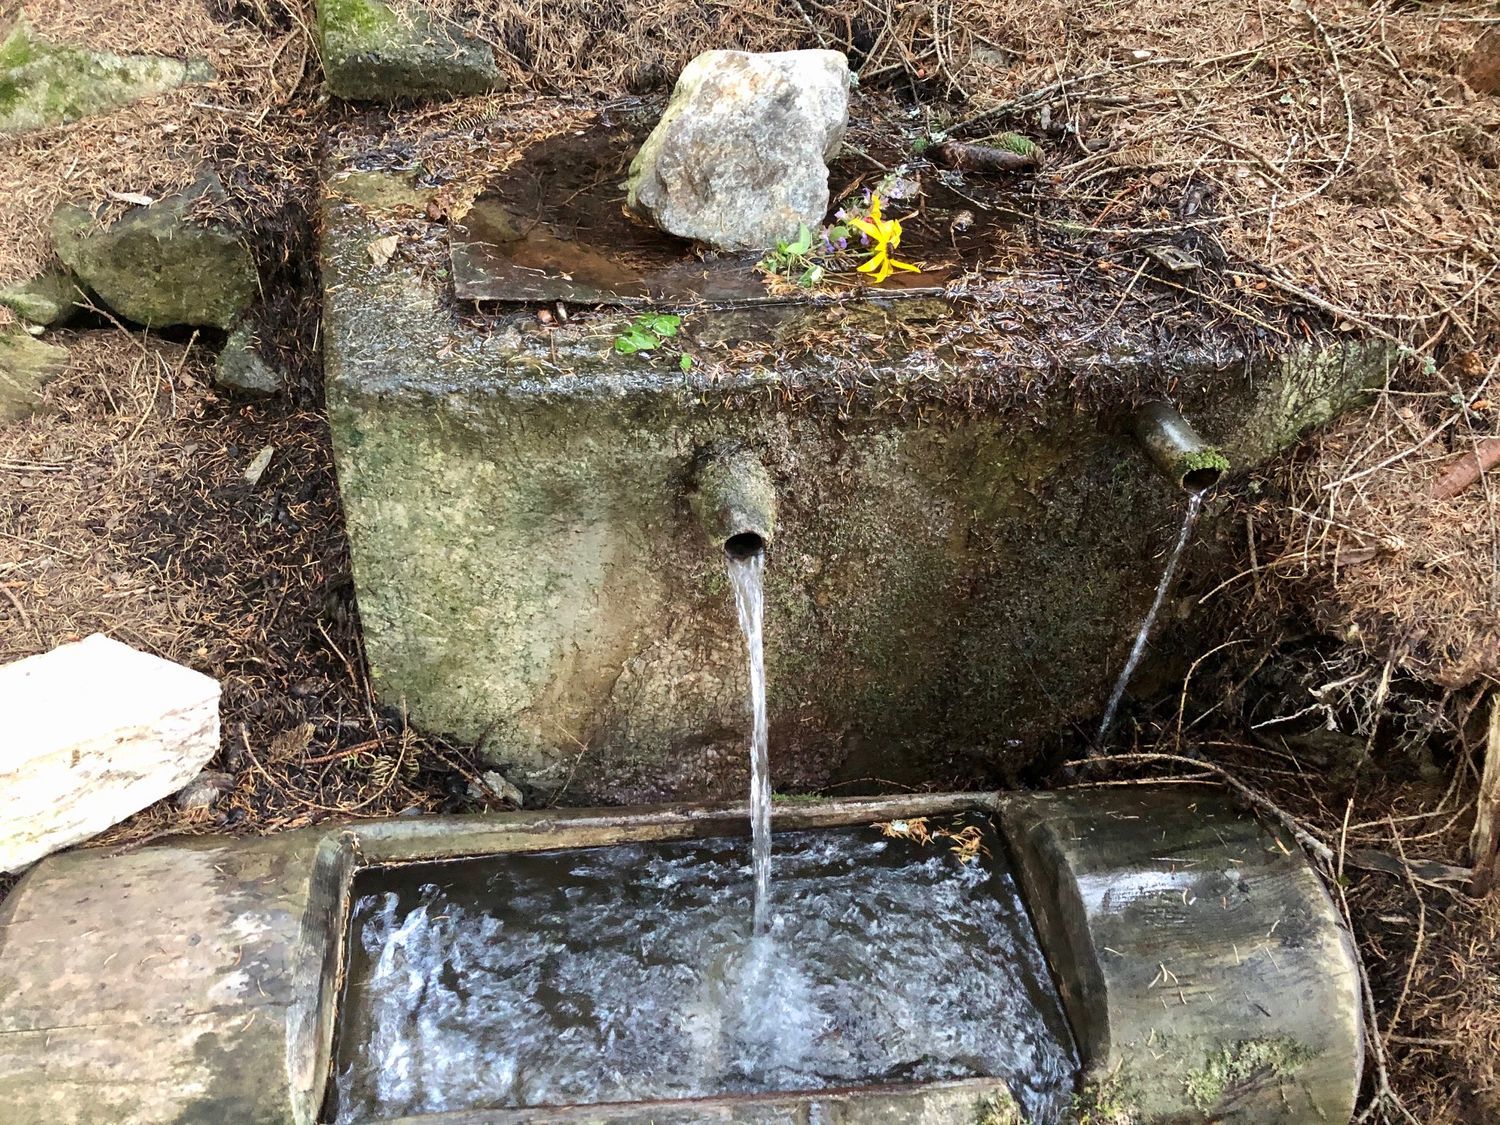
{"x": 1176, "y": 448}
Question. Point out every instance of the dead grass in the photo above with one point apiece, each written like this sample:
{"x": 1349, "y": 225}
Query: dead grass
{"x": 252, "y": 124}
{"x": 126, "y": 511}
{"x": 1352, "y": 529}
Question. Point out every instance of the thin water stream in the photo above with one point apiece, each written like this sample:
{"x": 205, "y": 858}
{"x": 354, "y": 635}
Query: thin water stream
{"x": 1143, "y": 636}
{"x": 747, "y": 574}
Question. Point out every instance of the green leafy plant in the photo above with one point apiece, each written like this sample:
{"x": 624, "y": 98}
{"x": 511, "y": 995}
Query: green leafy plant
{"x": 794, "y": 260}
{"x": 647, "y": 332}
{"x": 1014, "y": 142}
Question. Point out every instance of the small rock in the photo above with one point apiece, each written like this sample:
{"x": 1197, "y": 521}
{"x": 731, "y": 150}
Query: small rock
{"x": 740, "y": 158}
{"x": 378, "y": 51}
{"x": 157, "y": 265}
{"x": 42, "y": 84}
{"x": 93, "y": 732}
{"x": 26, "y": 366}
{"x": 204, "y": 790}
{"x": 492, "y": 787}
{"x": 240, "y": 366}
{"x": 49, "y": 299}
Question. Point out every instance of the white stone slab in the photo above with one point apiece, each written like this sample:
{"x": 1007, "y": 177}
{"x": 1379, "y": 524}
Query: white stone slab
{"x": 89, "y": 734}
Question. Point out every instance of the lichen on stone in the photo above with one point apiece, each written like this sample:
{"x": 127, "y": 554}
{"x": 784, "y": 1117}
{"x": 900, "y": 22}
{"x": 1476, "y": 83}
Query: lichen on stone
{"x": 49, "y": 299}
{"x": 44, "y": 84}
{"x": 26, "y": 366}
{"x": 158, "y": 265}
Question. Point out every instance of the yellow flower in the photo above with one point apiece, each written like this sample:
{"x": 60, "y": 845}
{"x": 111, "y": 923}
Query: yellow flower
{"x": 886, "y": 234}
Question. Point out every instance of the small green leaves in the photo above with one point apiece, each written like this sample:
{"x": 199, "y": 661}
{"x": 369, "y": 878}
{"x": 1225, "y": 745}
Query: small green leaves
{"x": 646, "y": 332}
{"x": 685, "y": 364}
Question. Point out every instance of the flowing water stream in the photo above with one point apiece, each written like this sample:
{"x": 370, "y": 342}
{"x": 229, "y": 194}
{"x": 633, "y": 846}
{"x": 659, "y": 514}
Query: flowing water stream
{"x": 747, "y": 574}
{"x": 1138, "y": 650}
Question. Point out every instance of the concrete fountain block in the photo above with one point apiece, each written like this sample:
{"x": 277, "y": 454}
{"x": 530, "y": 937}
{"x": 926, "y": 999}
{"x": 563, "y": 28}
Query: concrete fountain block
{"x": 90, "y": 733}
{"x": 1203, "y": 966}
{"x": 966, "y": 535}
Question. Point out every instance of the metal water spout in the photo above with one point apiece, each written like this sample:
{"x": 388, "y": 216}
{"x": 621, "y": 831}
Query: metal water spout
{"x": 734, "y": 499}
{"x": 1177, "y": 449}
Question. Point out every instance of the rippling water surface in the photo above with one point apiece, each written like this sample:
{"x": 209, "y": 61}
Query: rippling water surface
{"x": 632, "y": 972}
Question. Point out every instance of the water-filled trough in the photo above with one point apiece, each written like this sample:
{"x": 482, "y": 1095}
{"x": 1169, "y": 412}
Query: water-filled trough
{"x": 1199, "y": 964}
{"x": 632, "y": 973}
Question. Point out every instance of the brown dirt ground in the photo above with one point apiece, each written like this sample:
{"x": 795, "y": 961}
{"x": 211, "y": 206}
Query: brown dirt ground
{"x": 1358, "y": 171}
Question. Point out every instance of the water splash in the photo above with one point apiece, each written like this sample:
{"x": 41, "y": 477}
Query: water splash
{"x": 1138, "y": 650}
{"x": 747, "y": 575}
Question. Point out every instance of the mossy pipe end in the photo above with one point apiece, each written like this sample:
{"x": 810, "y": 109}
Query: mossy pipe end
{"x": 1176, "y": 449}
{"x": 734, "y": 499}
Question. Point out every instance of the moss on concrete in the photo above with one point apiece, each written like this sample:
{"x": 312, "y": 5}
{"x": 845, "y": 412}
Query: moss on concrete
{"x": 375, "y": 51}
{"x": 1104, "y": 1103}
{"x": 1233, "y": 1067}
{"x": 1210, "y": 460}
{"x": 43, "y": 84}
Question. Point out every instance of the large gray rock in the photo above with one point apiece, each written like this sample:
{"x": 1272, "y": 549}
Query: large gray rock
{"x": 26, "y": 366}
{"x": 374, "y": 51}
{"x": 158, "y": 265}
{"x": 89, "y": 734}
{"x": 740, "y": 157}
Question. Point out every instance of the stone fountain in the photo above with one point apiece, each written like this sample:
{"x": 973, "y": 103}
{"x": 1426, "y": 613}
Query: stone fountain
{"x": 960, "y": 523}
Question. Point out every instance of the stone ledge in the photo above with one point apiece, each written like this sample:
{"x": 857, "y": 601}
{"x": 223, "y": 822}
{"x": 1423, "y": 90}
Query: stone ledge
{"x": 374, "y": 51}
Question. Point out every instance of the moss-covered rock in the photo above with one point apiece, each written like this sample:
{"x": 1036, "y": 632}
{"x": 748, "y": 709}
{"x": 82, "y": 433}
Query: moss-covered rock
{"x": 51, "y": 298}
{"x": 375, "y": 51}
{"x": 44, "y": 84}
{"x": 158, "y": 265}
{"x": 26, "y": 366}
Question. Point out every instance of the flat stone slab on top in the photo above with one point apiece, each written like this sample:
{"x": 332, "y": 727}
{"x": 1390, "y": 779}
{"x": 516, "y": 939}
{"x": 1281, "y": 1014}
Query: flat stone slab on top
{"x": 196, "y": 982}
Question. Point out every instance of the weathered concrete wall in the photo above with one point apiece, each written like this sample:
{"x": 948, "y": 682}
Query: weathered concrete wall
{"x": 958, "y": 564}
